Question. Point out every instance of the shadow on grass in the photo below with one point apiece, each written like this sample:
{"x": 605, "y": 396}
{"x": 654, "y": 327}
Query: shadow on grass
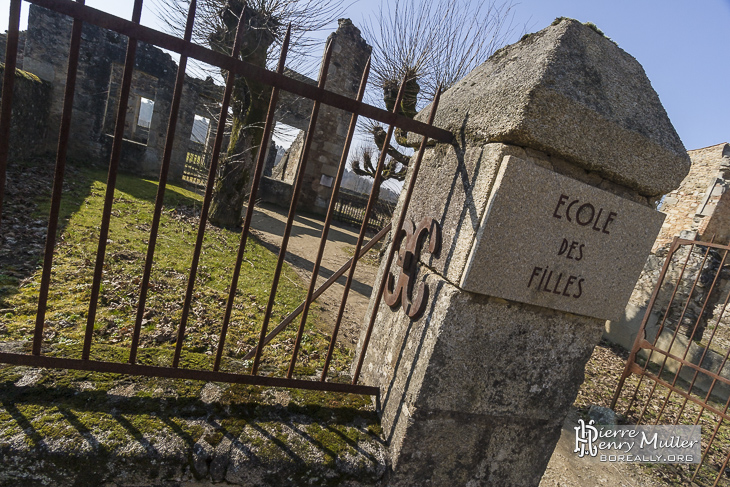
{"x": 110, "y": 423}
{"x": 27, "y": 204}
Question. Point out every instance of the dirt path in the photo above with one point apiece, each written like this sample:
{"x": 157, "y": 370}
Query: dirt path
{"x": 268, "y": 225}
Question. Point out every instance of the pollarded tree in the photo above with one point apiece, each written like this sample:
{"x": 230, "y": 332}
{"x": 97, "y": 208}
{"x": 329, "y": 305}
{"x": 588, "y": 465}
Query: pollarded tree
{"x": 430, "y": 44}
{"x": 266, "y": 23}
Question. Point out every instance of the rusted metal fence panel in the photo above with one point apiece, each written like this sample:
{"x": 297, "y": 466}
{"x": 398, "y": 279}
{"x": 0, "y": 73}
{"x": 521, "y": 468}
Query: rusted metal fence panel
{"x": 350, "y": 209}
{"x": 234, "y": 66}
{"x": 197, "y": 165}
{"x": 678, "y": 371}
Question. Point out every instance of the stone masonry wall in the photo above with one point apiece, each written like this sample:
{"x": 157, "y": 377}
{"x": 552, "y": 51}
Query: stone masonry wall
{"x": 29, "y": 115}
{"x": 690, "y": 208}
{"x": 95, "y": 101}
{"x": 698, "y": 209}
{"x": 21, "y": 48}
{"x": 350, "y": 53}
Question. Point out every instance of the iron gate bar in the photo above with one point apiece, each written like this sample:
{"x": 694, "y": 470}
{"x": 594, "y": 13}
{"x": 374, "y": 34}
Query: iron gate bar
{"x": 237, "y": 66}
{"x": 177, "y": 373}
{"x": 64, "y": 131}
{"x": 696, "y": 374}
{"x": 398, "y": 229}
{"x": 159, "y": 198}
{"x": 230, "y": 79}
{"x": 110, "y": 186}
{"x": 368, "y": 209}
{"x": 709, "y": 407}
{"x": 649, "y": 346}
{"x": 722, "y": 469}
{"x": 258, "y": 172}
{"x": 715, "y": 378}
{"x": 276, "y": 80}
{"x": 304, "y": 158}
{"x": 326, "y": 227}
{"x": 321, "y": 289}
{"x": 11, "y": 55}
{"x": 639, "y": 336}
{"x": 712, "y": 439}
{"x": 720, "y": 414}
{"x": 679, "y": 321}
{"x": 694, "y": 329}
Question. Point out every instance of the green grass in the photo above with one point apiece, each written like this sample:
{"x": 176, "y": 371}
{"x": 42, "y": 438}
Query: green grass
{"x": 74, "y": 260}
{"x": 94, "y": 420}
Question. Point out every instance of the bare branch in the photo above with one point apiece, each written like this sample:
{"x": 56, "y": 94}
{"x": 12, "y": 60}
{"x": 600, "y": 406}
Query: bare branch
{"x": 436, "y": 43}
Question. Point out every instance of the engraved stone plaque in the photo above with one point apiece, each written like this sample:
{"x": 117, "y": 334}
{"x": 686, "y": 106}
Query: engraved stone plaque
{"x": 550, "y": 240}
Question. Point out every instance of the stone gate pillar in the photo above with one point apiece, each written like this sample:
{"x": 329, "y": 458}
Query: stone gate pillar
{"x": 546, "y": 208}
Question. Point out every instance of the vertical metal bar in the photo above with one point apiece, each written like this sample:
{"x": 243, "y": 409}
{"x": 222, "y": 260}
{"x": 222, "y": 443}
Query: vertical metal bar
{"x": 676, "y": 332}
{"x": 68, "y": 100}
{"x": 328, "y": 222}
{"x": 208, "y": 193}
{"x": 321, "y": 289}
{"x": 396, "y": 231}
{"x": 722, "y": 468}
{"x": 258, "y": 172}
{"x": 111, "y": 180}
{"x": 712, "y": 386}
{"x": 661, "y": 328}
{"x": 11, "y": 55}
{"x": 371, "y": 203}
{"x": 704, "y": 353}
{"x": 694, "y": 331}
{"x": 164, "y": 169}
{"x": 712, "y": 439}
{"x": 292, "y": 207}
{"x": 641, "y": 335}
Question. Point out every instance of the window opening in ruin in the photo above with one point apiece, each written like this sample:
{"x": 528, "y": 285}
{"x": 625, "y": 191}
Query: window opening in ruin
{"x": 143, "y": 119}
{"x": 201, "y": 128}
{"x": 197, "y": 159}
{"x": 289, "y": 143}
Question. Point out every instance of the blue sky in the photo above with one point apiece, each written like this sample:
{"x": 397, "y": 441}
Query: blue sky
{"x": 682, "y": 45}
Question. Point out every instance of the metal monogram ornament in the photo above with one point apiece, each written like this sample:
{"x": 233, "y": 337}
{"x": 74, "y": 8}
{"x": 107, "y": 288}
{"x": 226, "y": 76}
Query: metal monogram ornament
{"x": 401, "y": 292}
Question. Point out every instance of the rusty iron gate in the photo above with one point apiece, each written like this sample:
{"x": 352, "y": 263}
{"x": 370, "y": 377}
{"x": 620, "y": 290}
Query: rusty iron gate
{"x": 678, "y": 371}
{"x": 350, "y": 209}
{"x": 234, "y": 66}
{"x": 197, "y": 165}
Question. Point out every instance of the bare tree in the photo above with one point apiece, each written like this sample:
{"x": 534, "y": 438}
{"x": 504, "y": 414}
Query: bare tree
{"x": 266, "y": 23}
{"x": 429, "y": 44}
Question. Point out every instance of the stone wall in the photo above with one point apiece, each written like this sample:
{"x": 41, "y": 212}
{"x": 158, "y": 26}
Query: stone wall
{"x": 21, "y": 48}
{"x": 699, "y": 204}
{"x": 698, "y": 209}
{"x": 96, "y": 99}
{"x": 31, "y": 98}
{"x": 349, "y": 56}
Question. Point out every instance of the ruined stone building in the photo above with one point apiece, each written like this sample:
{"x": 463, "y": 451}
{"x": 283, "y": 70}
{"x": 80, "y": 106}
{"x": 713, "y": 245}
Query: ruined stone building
{"x": 349, "y": 56}
{"x": 700, "y": 207}
{"x": 43, "y": 51}
{"x": 45, "y": 54}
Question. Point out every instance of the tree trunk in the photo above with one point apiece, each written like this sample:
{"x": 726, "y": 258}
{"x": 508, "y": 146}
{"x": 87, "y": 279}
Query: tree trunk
{"x": 250, "y": 101}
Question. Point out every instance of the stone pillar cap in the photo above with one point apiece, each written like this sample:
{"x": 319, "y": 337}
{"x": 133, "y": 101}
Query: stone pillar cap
{"x": 570, "y": 91}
